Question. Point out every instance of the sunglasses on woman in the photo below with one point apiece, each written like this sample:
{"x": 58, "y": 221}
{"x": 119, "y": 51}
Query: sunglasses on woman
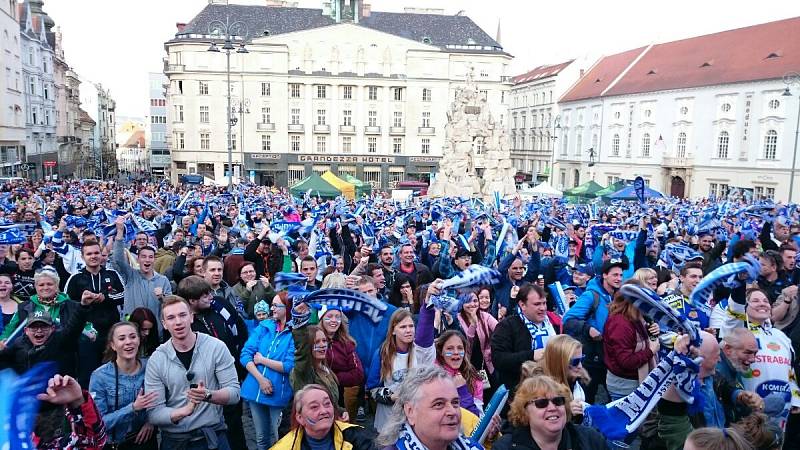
{"x": 575, "y": 362}
{"x": 541, "y": 403}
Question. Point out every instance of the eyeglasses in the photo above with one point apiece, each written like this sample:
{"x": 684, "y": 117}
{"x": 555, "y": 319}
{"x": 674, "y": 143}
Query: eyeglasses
{"x": 575, "y": 362}
{"x": 541, "y": 403}
{"x": 278, "y": 306}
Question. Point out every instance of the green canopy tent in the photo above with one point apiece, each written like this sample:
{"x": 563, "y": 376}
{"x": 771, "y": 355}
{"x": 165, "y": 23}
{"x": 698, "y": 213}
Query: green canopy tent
{"x": 585, "y": 191}
{"x": 613, "y": 187}
{"x": 316, "y": 185}
{"x": 361, "y": 187}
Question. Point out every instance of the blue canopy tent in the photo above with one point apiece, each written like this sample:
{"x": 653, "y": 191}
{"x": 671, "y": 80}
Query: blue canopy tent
{"x": 629, "y": 193}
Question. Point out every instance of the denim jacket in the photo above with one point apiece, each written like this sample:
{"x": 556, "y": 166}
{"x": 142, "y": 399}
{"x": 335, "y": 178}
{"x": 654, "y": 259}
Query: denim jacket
{"x": 103, "y": 388}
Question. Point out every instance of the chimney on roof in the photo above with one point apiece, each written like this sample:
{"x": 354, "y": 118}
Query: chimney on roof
{"x": 180, "y": 26}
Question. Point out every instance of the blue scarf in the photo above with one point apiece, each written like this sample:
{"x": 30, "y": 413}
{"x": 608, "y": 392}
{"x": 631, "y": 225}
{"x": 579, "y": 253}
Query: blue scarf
{"x": 539, "y": 333}
{"x": 407, "y": 440}
{"x": 618, "y": 419}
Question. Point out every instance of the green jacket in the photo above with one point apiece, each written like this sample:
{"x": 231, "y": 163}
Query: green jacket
{"x": 60, "y": 311}
{"x": 251, "y": 297}
{"x": 304, "y": 373}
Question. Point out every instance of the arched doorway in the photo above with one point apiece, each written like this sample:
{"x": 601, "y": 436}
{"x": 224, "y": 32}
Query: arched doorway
{"x": 677, "y": 187}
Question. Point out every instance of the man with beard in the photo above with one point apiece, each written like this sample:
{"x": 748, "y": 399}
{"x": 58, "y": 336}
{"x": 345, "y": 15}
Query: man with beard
{"x": 712, "y": 253}
{"x": 690, "y": 275}
{"x": 144, "y": 287}
{"x": 318, "y": 427}
{"x": 675, "y": 422}
{"x": 386, "y": 258}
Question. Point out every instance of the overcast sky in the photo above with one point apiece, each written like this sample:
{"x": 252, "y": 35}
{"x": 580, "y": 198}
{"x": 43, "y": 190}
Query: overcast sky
{"x": 118, "y": 42}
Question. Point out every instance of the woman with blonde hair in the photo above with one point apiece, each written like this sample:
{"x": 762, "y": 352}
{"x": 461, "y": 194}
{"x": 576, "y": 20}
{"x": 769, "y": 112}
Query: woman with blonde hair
{"x": 647, "y": 277}
{"x": 563, "y": 361}
{"x": 541, "y": 419}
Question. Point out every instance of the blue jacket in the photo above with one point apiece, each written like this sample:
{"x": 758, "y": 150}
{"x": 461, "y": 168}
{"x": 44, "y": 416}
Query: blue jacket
{"x": 580, "y": 310}
{"x": 272, "y": 344}
{"x": 103, "y": 388}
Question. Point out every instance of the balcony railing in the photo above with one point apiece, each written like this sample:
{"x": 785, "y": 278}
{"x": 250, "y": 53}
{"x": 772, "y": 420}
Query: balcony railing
{"x": 347, "y": 129}
{"x": 426, "y": 130}
{"x": 372, "y": 130}
{"x": 265, "y": 126}
{"x": 322, "y": 128}
{"x": 397, "y": 130}
{"x": 296, "y": 128}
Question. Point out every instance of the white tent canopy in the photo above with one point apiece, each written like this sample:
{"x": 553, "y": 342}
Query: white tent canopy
{"x": 542, "y": 190}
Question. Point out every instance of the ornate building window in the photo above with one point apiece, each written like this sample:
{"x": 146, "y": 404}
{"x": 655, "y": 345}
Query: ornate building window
{"x": 771, "y": 144}
{"x": 722, "y": 144}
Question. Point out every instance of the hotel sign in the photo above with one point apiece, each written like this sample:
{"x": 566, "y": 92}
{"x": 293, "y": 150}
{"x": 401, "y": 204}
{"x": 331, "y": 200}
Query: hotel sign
{"x": 429, "y": 159}
{"x": 264, "y": 156}
{"x": 362, "y": 159}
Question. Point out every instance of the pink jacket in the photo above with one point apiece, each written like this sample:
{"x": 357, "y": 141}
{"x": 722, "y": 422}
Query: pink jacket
{"x": 484, "y": 332}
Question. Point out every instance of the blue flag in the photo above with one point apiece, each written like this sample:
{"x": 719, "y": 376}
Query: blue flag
{"x": 638, "y": 186}
{"x": 19, "y": 406}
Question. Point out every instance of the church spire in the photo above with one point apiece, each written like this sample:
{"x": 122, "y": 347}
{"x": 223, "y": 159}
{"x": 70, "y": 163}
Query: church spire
{"x": 28, "y": 18}
{"x": 42, "y": 32}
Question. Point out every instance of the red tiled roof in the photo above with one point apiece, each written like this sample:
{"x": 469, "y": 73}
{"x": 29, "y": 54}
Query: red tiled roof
{"x": 136, "y": 139}
{"x": 758, "y": 52}
{"x": 601, "y": 75}
{"x": 541, "y": 72}
{"x": 84, "y": 117}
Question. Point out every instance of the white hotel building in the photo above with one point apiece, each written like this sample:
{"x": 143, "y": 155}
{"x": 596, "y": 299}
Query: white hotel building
{"x": 693, "y": 117}
{"x": 341, "y": 88}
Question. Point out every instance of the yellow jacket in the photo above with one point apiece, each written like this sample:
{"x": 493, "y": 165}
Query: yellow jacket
{"x": 346, "y": 436}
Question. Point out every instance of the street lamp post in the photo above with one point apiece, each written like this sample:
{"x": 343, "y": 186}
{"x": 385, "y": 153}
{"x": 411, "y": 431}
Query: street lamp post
{"x": 241, "y": 107}
{"x": 228, "y": 31}
{"x": 789, "y": 79}
{"x": 552, "y": 143}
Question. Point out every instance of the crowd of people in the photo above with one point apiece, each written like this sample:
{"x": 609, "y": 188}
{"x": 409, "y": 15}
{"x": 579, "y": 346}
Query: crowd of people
{"x": 186, "y": 317}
